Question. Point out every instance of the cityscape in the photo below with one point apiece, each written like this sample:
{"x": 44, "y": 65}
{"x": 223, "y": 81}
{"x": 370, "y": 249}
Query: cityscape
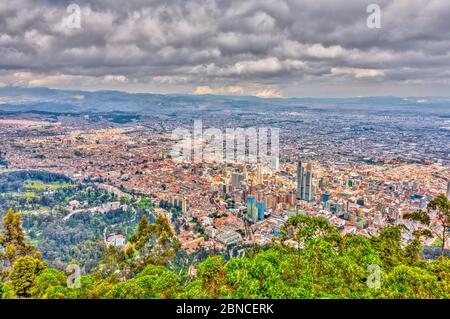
{"x": 359, "y": 172}
{"x": 224, "y": 150}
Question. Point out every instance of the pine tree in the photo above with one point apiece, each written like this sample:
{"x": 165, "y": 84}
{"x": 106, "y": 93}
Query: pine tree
{"x": 12, "y": 241}
{"x": 439, "y": 206}
{"x": 152, "y": 244}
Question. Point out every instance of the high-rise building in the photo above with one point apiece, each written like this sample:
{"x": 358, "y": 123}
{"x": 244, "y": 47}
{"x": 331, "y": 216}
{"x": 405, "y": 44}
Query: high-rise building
{"x": 236, "y": 180}
{"x": 275, "y": 162}
{"x": 184, "y": 205}
{"x": 321, "y": 186}
{"x": 250, "y": 205}
{"x": 269, "y": 201}
{"x": 254, "y": 215}
{"x": 325, "y": 197}
{"x": 244, "y": 172}
{"x": 299, "y": 180}
{"x": 176, "y": 201}
{"x": 291, "y": 199}
{"x": 448, "y": 189}
{"x": 259, "y": 178}
{"x": 304, "y": 182}
{"x": 261, "y": 209}
{"x": 308, "y": 196}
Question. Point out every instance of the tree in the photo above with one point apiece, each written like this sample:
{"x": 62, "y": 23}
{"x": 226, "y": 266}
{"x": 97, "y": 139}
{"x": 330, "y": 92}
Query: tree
{"x": 129, "y": 289}
{"x": 388, "y": 245}
{"x": 158, "y": 282}
{"x": 302, "y": 228}
{"x": 412, "y": 282}
{"x": 48, "y": 282}
{"x": 144, "y": 203}
{"x": 99, "y": 286}
{"x": 441, "y": 268}
{"x": 328, "y": 265}
{"x": 415, "y": 247}
{"x": 212, "y": 276}
{"x": 114, "y": 259}
{"x": 125, "y": 200}
{"x": 153, "y": 243}
{"x": 441, "y": 206}
{"x": 23, "y": 275}
{"x": 165, "y": 244}
{"x": 12, "y": 241}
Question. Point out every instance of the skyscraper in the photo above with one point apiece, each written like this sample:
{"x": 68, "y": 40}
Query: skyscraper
{"x": 275, "y": 162}
{"x": 184, "y": 205}
{"x": 304, "y": 182}
{"x": 261, "y": 209}
{"x": 321, "y": 187}
{"x": 258, "y": 174}
{"x": 250, "y": 205}
{"x": 254, "y": 215}
{"x": 244, "y": 172}
{"x": 448, "y": 189}
{"x": 299, "y": 180}
{"x": 236, "y": 180}
{"x": 308, "y": 196}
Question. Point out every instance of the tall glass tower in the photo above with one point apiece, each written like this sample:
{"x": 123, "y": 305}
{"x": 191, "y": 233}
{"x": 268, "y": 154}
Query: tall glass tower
{"x": 299, "y": 180}
{"x": 304, "y": 182}
{"x": 448, "y": 189}
{"x": 308, "y": 194}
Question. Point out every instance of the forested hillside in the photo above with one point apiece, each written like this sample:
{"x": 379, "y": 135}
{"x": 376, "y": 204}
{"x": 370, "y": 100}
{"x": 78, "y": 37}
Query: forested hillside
{"x": 325, "y": 265}
{"x": 66, "y": 220}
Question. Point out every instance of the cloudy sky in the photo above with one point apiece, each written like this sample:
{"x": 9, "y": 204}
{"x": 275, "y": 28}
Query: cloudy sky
{"x": 266, "y": 48}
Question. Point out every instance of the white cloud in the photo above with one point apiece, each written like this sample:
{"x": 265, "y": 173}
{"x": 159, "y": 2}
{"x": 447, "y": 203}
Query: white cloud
{"x": 233, "y": 90}
{"x": 114, "y": 79}
{"x": 268, "y": 93}
{"x": 357, "y": 72}
{"x": 200, "y": 90}
{"x": 238, "y": 90}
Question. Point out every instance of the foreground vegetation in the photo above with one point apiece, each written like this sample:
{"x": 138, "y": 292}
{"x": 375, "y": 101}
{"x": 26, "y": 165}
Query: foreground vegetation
{"x": 328, "y": 265}
{"x": 56, "y": 217}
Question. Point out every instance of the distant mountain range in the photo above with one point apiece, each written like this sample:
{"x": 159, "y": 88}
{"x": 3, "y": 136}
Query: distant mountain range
{"x": 20, "y": 99}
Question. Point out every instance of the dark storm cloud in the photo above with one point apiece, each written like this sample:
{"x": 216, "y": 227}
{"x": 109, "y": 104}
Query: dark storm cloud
{"x": 254, "y": 45}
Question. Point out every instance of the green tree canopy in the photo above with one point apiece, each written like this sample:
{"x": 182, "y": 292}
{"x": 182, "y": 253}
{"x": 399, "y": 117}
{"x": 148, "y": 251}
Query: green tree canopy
{"x": 23, "y": 275}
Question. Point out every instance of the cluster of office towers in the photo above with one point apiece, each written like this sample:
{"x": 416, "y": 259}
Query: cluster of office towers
{"x": 255, "y": 209}
{"x": 304, "y": 182}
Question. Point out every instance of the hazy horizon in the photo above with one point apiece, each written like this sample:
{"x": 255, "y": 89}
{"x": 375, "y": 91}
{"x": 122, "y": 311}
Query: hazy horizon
{"x": 226, "y": 95}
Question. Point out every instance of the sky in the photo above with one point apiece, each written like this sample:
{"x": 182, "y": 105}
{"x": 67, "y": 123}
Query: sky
{"x": 265, "y": 48}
